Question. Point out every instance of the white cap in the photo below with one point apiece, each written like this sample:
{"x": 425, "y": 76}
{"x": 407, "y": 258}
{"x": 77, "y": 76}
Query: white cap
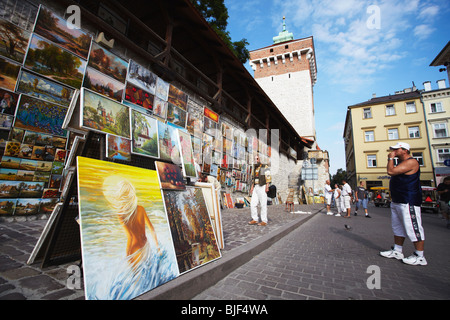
{"x": 399, "y": 145}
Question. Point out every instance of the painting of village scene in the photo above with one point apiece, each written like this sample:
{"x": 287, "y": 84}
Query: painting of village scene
{"x": 54, "y": 62}
{"x": 112, "y": 198}
{"x": 98, "y": 82}
{"x": 145, "y": 134}
{"x": 118, "y": 148}
{"x": 177, "y": 97}
{"x": 168, "y": 143}
{"x": 56, "y": 29}
{"x": 7, "y": 206}
{"x": 40, "y": 116}
{"x": 108, "y": 63}
{"x": 9, "y": 72}
{"x": 193, "y": 236}
{"x": 27, "y": 206}
{"x": 42, "y": 88}
{"x": 13, "y": 41}
{"x": 102, "y": 114}
{"x": 141, "y": 77}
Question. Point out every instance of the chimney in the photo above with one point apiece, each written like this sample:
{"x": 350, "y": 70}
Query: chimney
{"x": 427, "y": 85}
{"x": 441, "y": 84}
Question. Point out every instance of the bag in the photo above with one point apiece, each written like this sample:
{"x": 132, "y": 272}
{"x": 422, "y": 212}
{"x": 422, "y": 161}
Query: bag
{"x": 272, "y": 193}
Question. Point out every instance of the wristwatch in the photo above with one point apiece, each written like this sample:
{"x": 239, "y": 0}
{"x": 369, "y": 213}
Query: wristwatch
{"x": 390, "y": 159}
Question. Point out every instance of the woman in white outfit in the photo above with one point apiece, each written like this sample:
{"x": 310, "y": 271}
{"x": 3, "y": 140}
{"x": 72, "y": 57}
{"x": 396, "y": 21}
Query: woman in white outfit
{"x": 337, "y": 199}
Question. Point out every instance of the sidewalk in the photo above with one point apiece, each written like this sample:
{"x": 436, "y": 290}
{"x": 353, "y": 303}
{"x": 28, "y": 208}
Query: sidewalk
{"x": 19, "y": 281}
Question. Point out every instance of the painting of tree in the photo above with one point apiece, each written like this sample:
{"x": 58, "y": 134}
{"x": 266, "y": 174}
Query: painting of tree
{"x": 13, "y": 41}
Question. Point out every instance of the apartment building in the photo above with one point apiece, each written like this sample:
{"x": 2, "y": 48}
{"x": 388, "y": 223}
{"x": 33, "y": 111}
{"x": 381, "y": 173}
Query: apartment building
{"x": 373, "y": 126}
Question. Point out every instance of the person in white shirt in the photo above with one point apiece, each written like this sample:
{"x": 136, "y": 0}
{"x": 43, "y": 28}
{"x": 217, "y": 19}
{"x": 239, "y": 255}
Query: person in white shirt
{"x": 337, "y": 199}
{"x": 328, "y": 196}
{"x": 347, "y": 193}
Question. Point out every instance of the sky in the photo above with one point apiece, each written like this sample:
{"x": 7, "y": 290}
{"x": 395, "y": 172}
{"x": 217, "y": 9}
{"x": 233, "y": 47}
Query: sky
{"x": 362, "y": 47}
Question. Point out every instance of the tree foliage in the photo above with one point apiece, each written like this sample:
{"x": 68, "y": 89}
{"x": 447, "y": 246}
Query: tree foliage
{"x": 337, "y": 178}
{"x": 216, "y": 13}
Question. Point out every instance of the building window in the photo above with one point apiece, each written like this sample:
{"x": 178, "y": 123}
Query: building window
{"x": 436, "y": 107}
{"x": 410, "y": 107}
{"x": 390, "y": 110}
{"x": 443, "y": 154}
{"x": 414, "y": 132}
{"x": 369, "y": 136}
{"x": 367, "y": 113}
{"x": 440, "y": 130}
{"x": 419, "y": 157}
{"x": 393, "y": 134}
{"x": 371, "y": 160}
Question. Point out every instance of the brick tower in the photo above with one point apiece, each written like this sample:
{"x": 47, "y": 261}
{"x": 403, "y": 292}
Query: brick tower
{"x": 287, "y": 72}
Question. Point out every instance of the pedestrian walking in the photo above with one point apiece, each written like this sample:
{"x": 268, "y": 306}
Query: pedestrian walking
{"x": 260, "y": 186}
{"x": 347, "y": 197}
{"x": 328, "y": 196}
{"x": 337, "y": 199}
{"x": 443, "y": 190}
{"x": 362, "y": 198}
{"x": 405, "y": 207}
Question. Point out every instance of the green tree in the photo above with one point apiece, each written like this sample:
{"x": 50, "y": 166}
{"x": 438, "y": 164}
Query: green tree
{"x": 337, "y": 178}
{"x": 216, "y": 13}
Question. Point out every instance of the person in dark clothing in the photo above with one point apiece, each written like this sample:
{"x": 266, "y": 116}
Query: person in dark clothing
{"x": 443, "y": 190}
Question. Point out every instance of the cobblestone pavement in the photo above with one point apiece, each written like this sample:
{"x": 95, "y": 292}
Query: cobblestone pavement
{"x": 322, "y": 259}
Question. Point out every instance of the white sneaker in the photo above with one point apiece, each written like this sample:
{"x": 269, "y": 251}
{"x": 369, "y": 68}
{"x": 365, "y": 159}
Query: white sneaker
{"x": 392, "y": 254}
{"x": 329, "y": 213}
{"x": 337, "y": 215}
{"x": 415, "y": 260}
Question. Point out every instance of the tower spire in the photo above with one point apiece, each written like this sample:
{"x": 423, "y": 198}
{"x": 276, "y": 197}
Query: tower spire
{"x": 284, "y": 35}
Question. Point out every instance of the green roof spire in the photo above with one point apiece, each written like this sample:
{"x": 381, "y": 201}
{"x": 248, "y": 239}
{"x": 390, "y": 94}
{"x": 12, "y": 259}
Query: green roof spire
{"x": 284, "y": 35}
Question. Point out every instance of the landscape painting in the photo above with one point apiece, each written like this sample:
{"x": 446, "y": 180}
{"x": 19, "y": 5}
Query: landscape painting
{"x": 187, "y": 158}
{"x": 42, "y": 88}
{"x": 177, "y": 97}
{"x": 108, "y": 63}
{"x": 40, "y": 116}
{"x": 7, "y": 206}
{"x": 54, "y": 62}
{"x": 27, "y": 206}
{"x": 9, "y": 72}
{"x": 118, "y": 148}
{"x": 118, "y": 203}
{"x": 193, "y": 235}
{"x": 105, "y": 115}
{"x": 13, "y": 41}
{"x": 141, "y": 77}
{"x": 98, "y": 82}
{"x": 170, "y": 176}
{"x": 145, "y": 135}
{"x": 9, "y": 189}
{"x": 138, "y": 96}
{"x": 176, "y": 115}
{"x": 56, "y": 29}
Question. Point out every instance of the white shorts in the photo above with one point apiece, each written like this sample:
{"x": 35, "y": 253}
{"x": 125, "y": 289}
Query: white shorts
{"x": 328, "y": 200}
{"x": 347, "y": 202}
{"x": 407, "y": 221}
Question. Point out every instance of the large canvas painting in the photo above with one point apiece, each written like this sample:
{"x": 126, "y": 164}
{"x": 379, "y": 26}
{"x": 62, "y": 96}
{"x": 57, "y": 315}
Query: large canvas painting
{"x": 187, "y": 158}
{"x": 141, "y": 77}
{"x": 56, "y": 29}
{"x": 127, "y": 248}
{"x": 54, "y": 62}
{"x": 145, "y": 135}
{"x": 43, "y": 88}
{"x": 108, "y": 63}
{"x": 14, "y": 41}
{"x": 102, "y": 114}
{"x": 40, "y": 116}
{"x": 193, "y": 236}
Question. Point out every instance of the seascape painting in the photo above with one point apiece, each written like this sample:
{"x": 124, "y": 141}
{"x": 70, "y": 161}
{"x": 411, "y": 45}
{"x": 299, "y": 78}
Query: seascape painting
{"x": 145, "y": 135}
{"x": 40, "y": 116}
{"x": 56, "y": 29}
{"x": 108, "y": 63}
{"x": 105, "y": 115}
{"x": 141, "y": 77}
{"x": 192, "y": 232}
{"x": 13, "y": 41}
{"x": 117, "y": 203}
{"x": 42, "y": 88}
{"x": 54, "y": 62}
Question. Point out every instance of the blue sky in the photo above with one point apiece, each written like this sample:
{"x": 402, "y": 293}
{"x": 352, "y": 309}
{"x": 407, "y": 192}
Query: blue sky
{"x": 362, "y": 47}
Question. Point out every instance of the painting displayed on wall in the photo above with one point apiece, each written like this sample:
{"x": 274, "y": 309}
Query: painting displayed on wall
{"x": 162, "y": 89}
{"x": 159, "y": 107}
{"x": 56, "y": 30}
{"x": 108, "y": 63}
{"x": 27, "y": 206}
{"x": 103, "y": 114}
{"x": 118, "y": 148}
{"x": 8, "y": 101}
{"x": 194, "y": 122}
{"x": 170, "y": 176}
{"x": 9, "y": 72}
{"x": 45, "y": 89}
{"x": 7, "y": 206}
{"x": 141, "y": 77}
{"x": 127, "y": 200}
{"x": 13, "y": 41}
{"x": 193, "y": 236}
{"x": 40, "y": 116}
{"x": 138, "y": 96}
{"x": 177, "y": 97}
{"x": 187, "y": 159}
{"x": 144, "y": 135}
{"x": 168, "y": 143}
{"x": 98, "y": 82}
{"x": 6, "y": 121}
{"x": 176, "y": 115}
{"x": 65, "y": 66}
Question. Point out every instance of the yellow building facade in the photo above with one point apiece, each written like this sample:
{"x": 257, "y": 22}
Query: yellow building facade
{"x": 375, "y": 125}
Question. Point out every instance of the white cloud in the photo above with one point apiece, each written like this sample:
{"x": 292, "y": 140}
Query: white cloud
{"x": 423, "y": 31}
